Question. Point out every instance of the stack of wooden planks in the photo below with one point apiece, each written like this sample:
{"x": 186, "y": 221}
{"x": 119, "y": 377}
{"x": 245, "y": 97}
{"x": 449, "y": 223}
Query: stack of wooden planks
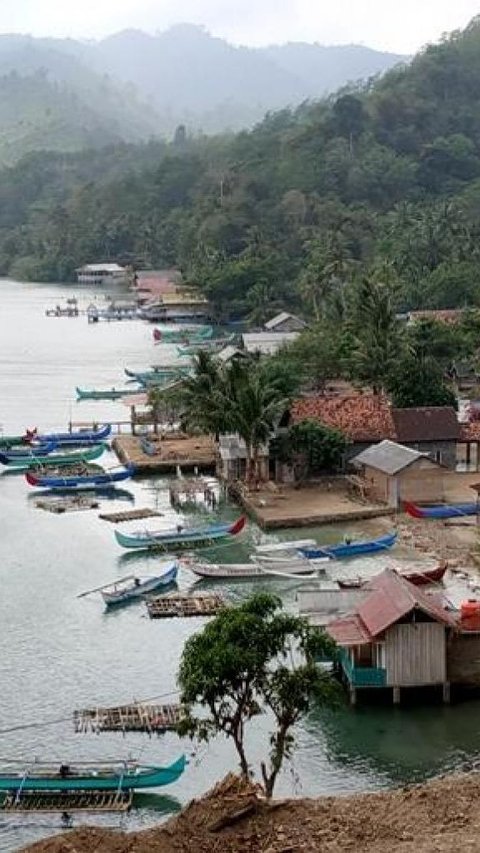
{"x": 137, "y": 717}
{"x": 68, "y": 801}
{"x": 129, "y": 515}
{"x": 184, "y": 605}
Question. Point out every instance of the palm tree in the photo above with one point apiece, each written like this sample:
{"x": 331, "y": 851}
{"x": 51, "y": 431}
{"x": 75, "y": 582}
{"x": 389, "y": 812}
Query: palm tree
{"x": 378, "y": 340}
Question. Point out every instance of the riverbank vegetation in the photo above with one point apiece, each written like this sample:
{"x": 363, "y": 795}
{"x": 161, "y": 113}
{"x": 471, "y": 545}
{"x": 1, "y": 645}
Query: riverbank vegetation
{"x": 381, "y": 182}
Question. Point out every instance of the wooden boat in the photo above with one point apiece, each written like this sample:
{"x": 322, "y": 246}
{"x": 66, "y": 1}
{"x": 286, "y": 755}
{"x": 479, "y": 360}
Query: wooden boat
{"x": 291, "y": 545}
{"x": 31, "y": 450}
{"x": 107, "y": 394}
{"x": 118, "y": 593}
{"x": 351, "y": 549}
{"x": 21, "y": 463}
{"x": 89, "y": 436}
{"x": 442, "y": 510}
{"x": 250, "y": 571}
{"x": 128, "y": 776}
{"x": 415, "y": 576}
{"x": 103, "y": 478}
{"x": 210, "y": 345}
{"x": 10, "y": 441}
{"x": 158, "y": 374}
{"x": 179, "y": 537}
{"x": 188, "y": 334}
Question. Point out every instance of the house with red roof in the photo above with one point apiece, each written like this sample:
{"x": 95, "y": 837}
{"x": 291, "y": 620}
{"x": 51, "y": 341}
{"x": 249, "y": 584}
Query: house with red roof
{"x": 396, "y": 637}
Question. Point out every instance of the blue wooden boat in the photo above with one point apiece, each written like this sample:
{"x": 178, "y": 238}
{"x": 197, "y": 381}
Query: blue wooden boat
{"x": 132, "y": 588}
{"x": 442, "y": 510}
{"x": 31, "y": 450}
{"x": 83, "y": 436}
{"x": 26, "y": 463}
{"x": 128, "y": 776}
{"x": 178, "y": 538}
{"x": 354, "y": 548}
{"x": 103, "y": 478}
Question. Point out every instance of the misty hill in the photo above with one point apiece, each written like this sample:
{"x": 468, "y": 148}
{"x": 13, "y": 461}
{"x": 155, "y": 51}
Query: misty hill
{"x": 191, "y": 76}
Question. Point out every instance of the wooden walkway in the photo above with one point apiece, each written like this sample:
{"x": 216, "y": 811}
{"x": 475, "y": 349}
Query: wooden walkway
{"x": 68, "y": 801}
{"x": 129, "y": 515}
{"x": 184, "y": 605}
{"x": 153, "y": 719}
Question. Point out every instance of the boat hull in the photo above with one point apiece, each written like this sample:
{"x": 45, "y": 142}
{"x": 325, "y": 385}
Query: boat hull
{"x": 112, "y": 394}
{"x": 114, "y": 599}
{"x": 21, "y": 464}
{"x": 416, "y": 577}
{"x": 441, "y": 511}
{"x": 147, "y": 777}
{"x": 351, "y": 549}
{"x": 102, "y": 479}
{"x": 87, "y": 435}
{"x": 180, "y": 541}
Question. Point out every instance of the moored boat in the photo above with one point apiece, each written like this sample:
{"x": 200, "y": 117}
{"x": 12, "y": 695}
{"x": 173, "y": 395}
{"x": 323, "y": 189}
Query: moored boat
{"x": 416, "y": 576}
{"x": 21, "y": 463}
{"x": 211, "y": 345}
{"x": 137, "y": 587}
{"x": 102, "y": 478}
{"x": 10, "y": 441}
{"x": 105, "y": 394}
{"x": 89, "y": 436}
{"x": 31, "y": 450}
{"x": 179, "y": 538}
{"x": 351, "y": 548}
{"x": 187, "y": 334}
{"x": 442, "y": 510}
{"x": 127, "y": 776}
{"x": 250, "y": 571}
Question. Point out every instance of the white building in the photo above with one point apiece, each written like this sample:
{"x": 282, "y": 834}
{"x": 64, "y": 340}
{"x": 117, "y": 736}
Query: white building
{"x": 101, "y": 274}
{"x": 267, "y": 343}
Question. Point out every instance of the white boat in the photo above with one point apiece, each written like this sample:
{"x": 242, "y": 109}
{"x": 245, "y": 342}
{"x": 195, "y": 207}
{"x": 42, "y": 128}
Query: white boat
{"x": 232, "y": 571}
{"x": 120, "y": 592}
{"x": 292, "y": 545}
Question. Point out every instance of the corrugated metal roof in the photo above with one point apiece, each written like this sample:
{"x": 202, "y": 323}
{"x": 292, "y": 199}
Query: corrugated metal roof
{"x": 389, "y": 457}
{"x": 282, "y": 318}
{"x": 267, "y": 342}
{"x": 392, "y": 598}
{"x": 101, "y": 268}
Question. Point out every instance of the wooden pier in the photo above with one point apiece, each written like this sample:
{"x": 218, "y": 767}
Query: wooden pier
{"x": 129, "y": 515}
{"x": 138, "y": 717}
{"x": 168, "y": 606}
{"x": 189, "y": 452}
{"x": 68, "y": 801}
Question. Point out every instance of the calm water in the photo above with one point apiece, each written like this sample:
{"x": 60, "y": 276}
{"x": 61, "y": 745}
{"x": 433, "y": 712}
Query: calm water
{"x": 59, "y": 652}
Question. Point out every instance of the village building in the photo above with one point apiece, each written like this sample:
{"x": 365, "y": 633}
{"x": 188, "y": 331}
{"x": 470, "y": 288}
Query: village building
{"x": 285, "y": 322}
{"x": 232, "y": 459}
{"x": 393, "y": 473}
{"x": 100, "y": 274}
{"x": 366, "y": 419}
{"x": 448, "y": 316}
{"x": 396, "y": 637}
{"x": 267, "y": 343}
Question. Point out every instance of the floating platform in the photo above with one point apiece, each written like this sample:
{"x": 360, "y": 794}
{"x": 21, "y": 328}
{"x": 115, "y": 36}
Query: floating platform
{"x": 130, "y": 515}
{"x": 68, "y": 801}
{"x": 75, "y": 503}
{"x": 190, "y": 452}
{"x": 184, "y": 605}
{"x": 153, "y": 719}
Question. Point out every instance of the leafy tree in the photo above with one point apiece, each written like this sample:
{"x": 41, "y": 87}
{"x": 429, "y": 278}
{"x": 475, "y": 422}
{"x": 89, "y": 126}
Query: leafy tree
{"x": 250, "y": 660}
{"x": 418, "y": 381}
{"x": 378, "y": 338}
{"x": 311, "y": 448}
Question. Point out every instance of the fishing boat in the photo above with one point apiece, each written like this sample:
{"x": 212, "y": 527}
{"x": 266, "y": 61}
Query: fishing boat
{"x": 40, "y": 449}
{"x": 179, "y": 537}
{"x": 352, "y": 548}
{"x": 10, "y": 441}
{"x": 137, "y": 587}
{"x": 288, "y": 545}
{"x": 158, "y": 374}
{"x": 442, "y": 510}
{"x": 83, "y": 436}
{"x": 415, "y": 576}
{"x": 250, "y": 571}
{"x": 187, "y": 334}
{"x": 102, "y": 478}
{"x": 127, "y": 776}
{"x": 21, "y": 463}
{"x": 210, "y": 345}
{"x": 107, "y": 394}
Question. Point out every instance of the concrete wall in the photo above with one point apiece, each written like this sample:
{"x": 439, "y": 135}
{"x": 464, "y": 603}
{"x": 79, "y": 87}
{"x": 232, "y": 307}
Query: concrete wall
{"x": 422, "y": 482}
{"x": 441, "y": 451}
{"x": 415, "y": 654}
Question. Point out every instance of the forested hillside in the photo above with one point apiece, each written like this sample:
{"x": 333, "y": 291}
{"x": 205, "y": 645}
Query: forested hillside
{"x": 383, "y": 181}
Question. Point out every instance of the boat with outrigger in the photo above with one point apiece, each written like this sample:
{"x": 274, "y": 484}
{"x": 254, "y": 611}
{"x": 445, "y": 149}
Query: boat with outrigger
{"x": 90, "y": 777}
{"x": 180, "y": 537}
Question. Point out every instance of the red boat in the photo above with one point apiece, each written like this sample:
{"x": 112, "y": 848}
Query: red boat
{"x": 416, "y": 577}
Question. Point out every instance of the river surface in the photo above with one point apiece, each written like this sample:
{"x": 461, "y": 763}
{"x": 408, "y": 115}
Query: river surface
{"x": 59, "y": 652}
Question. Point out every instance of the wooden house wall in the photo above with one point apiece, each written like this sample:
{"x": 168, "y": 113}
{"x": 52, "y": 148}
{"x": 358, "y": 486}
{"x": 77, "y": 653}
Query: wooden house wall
{"x": 415, "y": 654}
{"x": 463, "y": 659}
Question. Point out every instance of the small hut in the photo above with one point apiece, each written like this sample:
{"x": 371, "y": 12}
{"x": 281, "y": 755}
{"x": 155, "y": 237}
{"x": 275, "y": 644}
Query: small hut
{"x": 393, "y": 473}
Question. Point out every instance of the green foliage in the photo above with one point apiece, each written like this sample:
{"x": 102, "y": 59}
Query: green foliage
{"x": 418, "y": 381}
{"x": 310, "y": 448}
{"x": 250, "y": 660}
{"x": 378, "y": 337}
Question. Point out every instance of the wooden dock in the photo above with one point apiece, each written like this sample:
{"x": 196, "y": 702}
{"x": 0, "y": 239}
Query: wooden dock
{"x": 76, "y": 503}
{"x": 188, "y": 452}
{"x": 68, "y": 801}
{"x": 138, "y": 717}
{"x": 130, "y": 515}
{"x": 168, "y": 606}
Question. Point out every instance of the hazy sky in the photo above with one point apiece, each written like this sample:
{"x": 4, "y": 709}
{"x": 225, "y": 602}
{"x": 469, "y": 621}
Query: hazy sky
{"x": 397, "y": 26}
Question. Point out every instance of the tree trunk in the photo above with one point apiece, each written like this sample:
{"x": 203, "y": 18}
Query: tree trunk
{"x": 269, "y": 779}
{"x": 243, "y": 758}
